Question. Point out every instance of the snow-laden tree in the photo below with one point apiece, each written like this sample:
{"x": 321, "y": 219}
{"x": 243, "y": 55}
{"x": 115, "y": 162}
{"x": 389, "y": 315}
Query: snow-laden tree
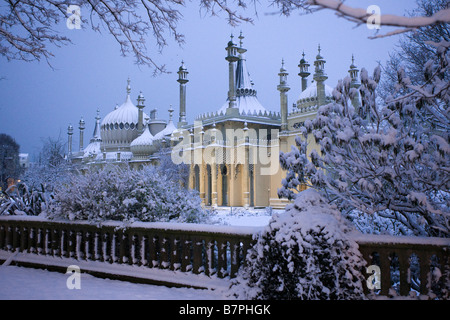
{"x": 391, "y": 159}
{"x": 304, "y": 253}
{"x": 124, "y": 194}
{"x": 413, "y": 49}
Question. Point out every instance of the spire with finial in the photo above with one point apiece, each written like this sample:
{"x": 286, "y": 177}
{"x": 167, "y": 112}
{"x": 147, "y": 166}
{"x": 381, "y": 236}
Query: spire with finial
{"x": 232, "y": 58}
{"x": 96, "y": 135}
{"x": 241, "y": 49}
{"x": 283, "y": 87}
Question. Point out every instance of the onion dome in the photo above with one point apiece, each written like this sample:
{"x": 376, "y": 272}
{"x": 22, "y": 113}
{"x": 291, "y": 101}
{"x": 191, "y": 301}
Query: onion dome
{"x": 141, "y": 147}
{"x": 119, "y": 127}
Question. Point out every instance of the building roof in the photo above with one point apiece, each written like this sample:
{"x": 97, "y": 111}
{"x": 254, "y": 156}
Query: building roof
{"x": 311, "y": 91}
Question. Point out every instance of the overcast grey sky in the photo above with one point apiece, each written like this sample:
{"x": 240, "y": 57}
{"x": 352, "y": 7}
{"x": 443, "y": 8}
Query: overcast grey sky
{"x": 38, "y": 102}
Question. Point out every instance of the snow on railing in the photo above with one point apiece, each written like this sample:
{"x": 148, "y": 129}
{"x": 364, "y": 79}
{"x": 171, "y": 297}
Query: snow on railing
{"x": 410, "y": 262}
{"x": 197, "y": 249}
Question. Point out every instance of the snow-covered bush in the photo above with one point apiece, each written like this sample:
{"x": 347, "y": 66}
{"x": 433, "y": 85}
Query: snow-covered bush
{"x": 304, "y": 253}
{"x": 391, "y": 158}
{"x": 115, "y": 193}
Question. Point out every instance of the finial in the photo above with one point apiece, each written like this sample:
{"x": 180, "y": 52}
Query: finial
{"x": 319, "y": 49}
{"x": 171, "y": 110}
{"x": 98, "y": 114}
{"x": 128, "y": 86}
{"x": 282, "y": 63}
{"x": 303, "y": 54}
{"x": 353, "y": 59}
{"x": 241, "y": 37}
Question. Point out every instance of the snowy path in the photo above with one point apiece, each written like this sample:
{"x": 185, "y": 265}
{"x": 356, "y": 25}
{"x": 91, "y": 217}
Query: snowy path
{"x": 18, "y": 283}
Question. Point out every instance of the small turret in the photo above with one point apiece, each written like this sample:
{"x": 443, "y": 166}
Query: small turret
{"x": 320, "y": 77}
{"x": 182, "y": 80}
{"x": 232, "y": 58}
{"x": 283, "y": 87}
{"x": 69, "y": 134}
{"x": 81, "y": 126}
{"x": 304, "y": 72}
{"x": 140, "y": 105}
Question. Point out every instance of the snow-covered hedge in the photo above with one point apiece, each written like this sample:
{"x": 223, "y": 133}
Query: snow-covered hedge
{"x": 116, "y": 193}
{"x": 304, "y": 253}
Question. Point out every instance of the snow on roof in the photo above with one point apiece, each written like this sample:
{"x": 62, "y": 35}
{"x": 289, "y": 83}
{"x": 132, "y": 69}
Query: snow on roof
{"x": 145, "y": 139}
{"x": 247, "y": 105}
{"x": 311, "y": 91}
{"x": 126, "y": 113}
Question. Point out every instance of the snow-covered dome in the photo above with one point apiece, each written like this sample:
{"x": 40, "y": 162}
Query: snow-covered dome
{"x": 141, "y": 147}
{"x": 311, "y": 91}
{"x": 119, "y": 127}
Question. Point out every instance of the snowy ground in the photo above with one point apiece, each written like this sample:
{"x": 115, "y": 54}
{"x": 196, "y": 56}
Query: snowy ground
{"x": 18, "y": 283}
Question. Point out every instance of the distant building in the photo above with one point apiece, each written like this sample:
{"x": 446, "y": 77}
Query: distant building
{"x": 24, "y": 160}
{"x": 233, "y": 152}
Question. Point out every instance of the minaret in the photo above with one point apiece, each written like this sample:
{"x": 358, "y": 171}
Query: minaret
{"x": 69, "y": 134}
{"x": 353, "y": 71}
{"x": 231, "y": 57}
{"x": 81, "y": 127}
{"x": 304, "y": 72}
{"x": 320, "y": 77}
{"x": 283, "y": 87}
{"x": 140, "y": 105}
{"x": 182, "y": 80}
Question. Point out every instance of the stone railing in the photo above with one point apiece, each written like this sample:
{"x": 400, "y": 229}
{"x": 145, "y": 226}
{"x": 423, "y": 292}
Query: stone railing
{"x": 408, "y": 262}
{"x": 191, "y": 248}
{"x": 217, "y": 251}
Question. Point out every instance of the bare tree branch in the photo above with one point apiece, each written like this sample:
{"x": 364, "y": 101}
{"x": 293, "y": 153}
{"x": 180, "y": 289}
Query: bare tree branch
{"x": 27, "y": 26}
{"x": 361, "y": 16}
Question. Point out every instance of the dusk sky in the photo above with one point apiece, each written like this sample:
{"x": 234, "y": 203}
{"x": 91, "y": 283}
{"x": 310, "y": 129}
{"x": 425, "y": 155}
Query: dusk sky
{"x": 38, "y": 101}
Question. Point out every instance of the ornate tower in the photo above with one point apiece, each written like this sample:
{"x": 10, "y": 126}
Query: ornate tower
{"x": 232, "y": 58}
{"x": 304, "y": 72}
{"x": 182, "y": 80}
{"x": 320, "y": 77}
{"x": 354, "y": 71}
{"x": 69, "y": 134}
{"x": 140, "y": 105}
{"x": 81, "y": 127}
{"x": 283, "y": 87}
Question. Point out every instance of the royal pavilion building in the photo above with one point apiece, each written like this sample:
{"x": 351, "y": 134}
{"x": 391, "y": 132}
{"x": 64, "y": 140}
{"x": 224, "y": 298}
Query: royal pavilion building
{"x": 233, "y": 152}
